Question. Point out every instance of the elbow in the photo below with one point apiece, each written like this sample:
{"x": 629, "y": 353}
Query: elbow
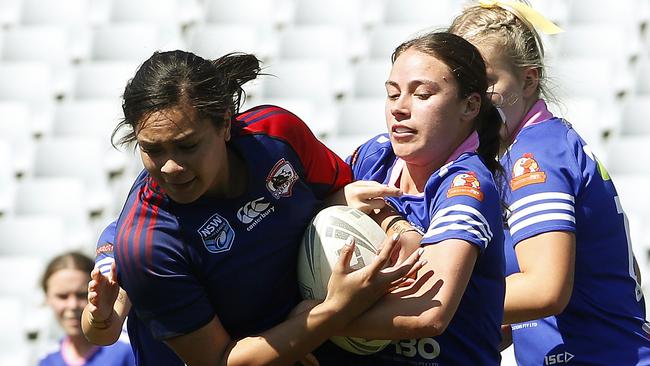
{"x": 554, "y": 304}
{"x": 431, "y": 324}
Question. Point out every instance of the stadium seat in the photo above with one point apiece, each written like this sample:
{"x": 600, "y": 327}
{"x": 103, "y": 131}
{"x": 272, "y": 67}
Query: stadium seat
{"x": 95, "y": 118}
{"x": 618, "y": 13}
{"x": 44, "y": 43}
{"x": 16, "y": 130}
{"x": 64, "y": 197}
{"x": 133, "y": 42}
{"x": 12, "y": 320}
{"x": 103, "y": 79}
{"x": 635, "y": 116}
{"x": 587, "y": 40}
{"x": 36, "y": 236}
{"x": 370, "y": 77}
{"x": 344, "y": 146}
{"x": 85, "y": 158}
{"x": 269, "y": 13}
{"x": 346, "y": 14}
{"x": 643, "y": 77}
{"x": 7, "y": 180}
{"x": 323, "y": 42}
{"x": 287, "y": 80}
{"x": 62, "y": 12}
{"x": 150, "y": 11}
{"x": 362, "y": 116}
{"x": 10, "y": 11}
{"x": 212, "y": 41}
{"x": 383, "y": 40}
{"x": 435, "y": 13}
{"x": 624, "y": 158}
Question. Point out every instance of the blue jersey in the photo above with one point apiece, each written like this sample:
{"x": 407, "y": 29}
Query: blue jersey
{"x": 117, "y": 354}
{"x": 460, "y": 201}
{"x": 557, "y": 184}
{"x": 182, "y": 264}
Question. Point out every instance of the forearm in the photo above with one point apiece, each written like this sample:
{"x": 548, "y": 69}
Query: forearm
{"x": 104, "y": 332}
{"x": 287, "y": 342}
{"x": 396, "y": 317}
{"x": 527, "y": 299}
{"x": 101, "y": 333}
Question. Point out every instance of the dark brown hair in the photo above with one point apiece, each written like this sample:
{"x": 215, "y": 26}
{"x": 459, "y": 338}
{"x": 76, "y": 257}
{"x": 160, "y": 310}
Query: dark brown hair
{"x": 168, "y": 79}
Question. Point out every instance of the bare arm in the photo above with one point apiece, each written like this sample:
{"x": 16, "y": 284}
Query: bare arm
{"x": 544, "y": 284}
{"x": 349, "y": 294}
{"x": 108, "y": 306}
{"x": 426, "y": 308}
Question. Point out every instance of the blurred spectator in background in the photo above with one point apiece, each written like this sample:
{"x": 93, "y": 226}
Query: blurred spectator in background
{"x": 65, "y": 283}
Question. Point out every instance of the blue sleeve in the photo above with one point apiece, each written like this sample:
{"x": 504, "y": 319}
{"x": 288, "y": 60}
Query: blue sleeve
{"x": 156, "y": 272}
{"x": 371, "y": 160}
{"x": 543, "y": 182}
{"x": 104, "y": 257}
{"x": 466, "y": 207}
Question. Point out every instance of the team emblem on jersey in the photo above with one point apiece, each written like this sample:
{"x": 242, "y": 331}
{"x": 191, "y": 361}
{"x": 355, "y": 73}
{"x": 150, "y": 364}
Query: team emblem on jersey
{"x": 466, "y": 184}
{"x": 217, "y": 234}
{"x": 106, "y": 249}
{"x": 281, "y": 179}
{"x": 254, "y": 212}
{"x": 526, "y": 171}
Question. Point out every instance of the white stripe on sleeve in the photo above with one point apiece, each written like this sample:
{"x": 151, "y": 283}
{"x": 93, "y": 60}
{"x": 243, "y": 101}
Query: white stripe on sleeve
{"x": 541, "y": 218}
{"x": 541, "y": 197}
{"x": 540, "y": 207}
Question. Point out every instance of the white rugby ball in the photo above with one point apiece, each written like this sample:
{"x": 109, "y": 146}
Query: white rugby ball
{"x": 320, "y": 249}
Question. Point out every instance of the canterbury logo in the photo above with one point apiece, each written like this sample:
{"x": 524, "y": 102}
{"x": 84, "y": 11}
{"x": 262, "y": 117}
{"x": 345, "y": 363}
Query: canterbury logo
{"x": 251, "y": 210}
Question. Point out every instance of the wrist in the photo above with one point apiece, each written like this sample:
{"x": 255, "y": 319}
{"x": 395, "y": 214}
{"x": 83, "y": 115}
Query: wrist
{"x": 100, "y": 324}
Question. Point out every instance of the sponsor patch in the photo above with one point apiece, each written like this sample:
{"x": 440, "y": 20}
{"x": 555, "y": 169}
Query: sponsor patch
{"x": 526, "y": 171}
{"x": 466, "y": 184}
{"x": 106, "y": 248}
{"x": 217, "y": 234}
{"x": 254, "y": 212}
{"x": 281, "y": 179}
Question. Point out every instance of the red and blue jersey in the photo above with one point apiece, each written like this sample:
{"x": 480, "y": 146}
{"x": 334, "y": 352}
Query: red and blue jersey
{"x": 556, "y": 183}
{"x": 460, "y": 201}
{"x": 182, "y": 264}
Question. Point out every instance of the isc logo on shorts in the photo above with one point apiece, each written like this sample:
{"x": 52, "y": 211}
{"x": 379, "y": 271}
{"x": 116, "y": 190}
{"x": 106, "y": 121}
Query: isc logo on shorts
{"x": 217, "y": 234}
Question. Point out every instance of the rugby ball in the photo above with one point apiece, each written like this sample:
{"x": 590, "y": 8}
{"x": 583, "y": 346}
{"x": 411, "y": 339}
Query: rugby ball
{"x": 319, "y": 252}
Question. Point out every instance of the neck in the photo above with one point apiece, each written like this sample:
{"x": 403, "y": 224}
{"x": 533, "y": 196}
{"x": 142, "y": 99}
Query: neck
{"x": 414, "y": 177}
{"x": 236, "y": 177}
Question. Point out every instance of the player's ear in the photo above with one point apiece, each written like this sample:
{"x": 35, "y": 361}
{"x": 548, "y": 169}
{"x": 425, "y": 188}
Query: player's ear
{"x": 226, "y": 126}
{"x": 531, "y": 81}
{"x": 471, "y": 107}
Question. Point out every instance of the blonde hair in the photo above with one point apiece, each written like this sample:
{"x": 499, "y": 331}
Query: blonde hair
{"x": 505, "y": 30}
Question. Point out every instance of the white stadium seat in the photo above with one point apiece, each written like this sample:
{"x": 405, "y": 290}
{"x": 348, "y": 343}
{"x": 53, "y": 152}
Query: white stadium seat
{"x": 624, "y": 157}
{"x": 103, "y": 79}
{"x": 16, "y": 130}
{"x": 10, "y": 11}
{"x": 362, "y": 116}
{"x": 635, "y": 119}
{"x": 435, "y": 13}
{"x": 271, "y": 13}
{"x": 133, "y": 41}
{"x": 95, "y": 118}
{"x": 212, "y": 41}
{"x": 370, "y": 77}
{"x": 383, "y": 40}
{"x": 36, "y": 236}
{"x": 151, "y": 11}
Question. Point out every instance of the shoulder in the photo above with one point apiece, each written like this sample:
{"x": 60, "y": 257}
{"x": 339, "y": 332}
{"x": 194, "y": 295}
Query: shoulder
{"x": 374, "y": 149}
{"x": 270, "y": 120}
{"x": 468, "y": 170}
{"x": 548, "y": 136}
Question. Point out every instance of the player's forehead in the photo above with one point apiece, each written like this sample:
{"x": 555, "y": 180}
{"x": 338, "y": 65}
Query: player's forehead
{"x": 169, "y": 125}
